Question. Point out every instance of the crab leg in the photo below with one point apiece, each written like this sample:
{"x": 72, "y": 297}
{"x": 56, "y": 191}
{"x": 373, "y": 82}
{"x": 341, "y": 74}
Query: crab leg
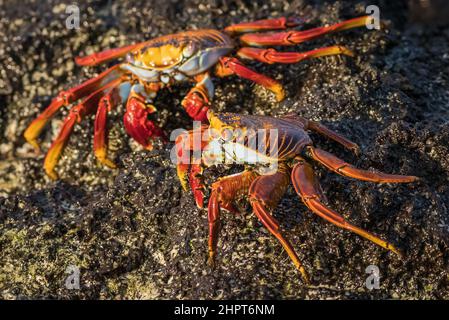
{"x": 65, "y": 98}
{"x": 271, "y": 56}
{"x": 326, "y": 132}
{"x": 107, "y": 55}
{"x": 264, "y": 25}
{"x": 224, "y": 192}
{"x": 265, "y": 193}
{"x": 295, "y": 37}
{"x": 196, "y": 184}
{"x": 197, "y": 101}
{"x": 345, "y": 169}
{"x": 307, "y": 187}
{"x": 115, "y": 96}
{"x": 185, "y": 144}
{"x": 76, "y": 114}
{"x": 213, "y": 218}
{"x": 100, "y": 130}
{"x": 183, "y": 159}
{"x": 229, "y": 66}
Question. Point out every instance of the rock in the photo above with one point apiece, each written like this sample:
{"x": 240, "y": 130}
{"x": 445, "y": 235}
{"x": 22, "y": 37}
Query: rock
{"x": 133, "y": 233}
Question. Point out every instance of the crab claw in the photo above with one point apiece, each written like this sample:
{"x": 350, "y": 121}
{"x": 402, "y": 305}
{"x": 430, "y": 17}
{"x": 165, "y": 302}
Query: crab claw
{"x": 137, "y": 124}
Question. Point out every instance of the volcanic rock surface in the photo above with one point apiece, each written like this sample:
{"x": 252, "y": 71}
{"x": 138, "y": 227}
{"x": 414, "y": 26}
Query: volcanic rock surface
{"x": 133, "y": 232}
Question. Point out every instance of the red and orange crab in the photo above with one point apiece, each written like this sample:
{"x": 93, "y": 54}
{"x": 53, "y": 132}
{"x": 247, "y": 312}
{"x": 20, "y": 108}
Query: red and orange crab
{"x": 283, "y": 146}
{"x": 164, "y": 61}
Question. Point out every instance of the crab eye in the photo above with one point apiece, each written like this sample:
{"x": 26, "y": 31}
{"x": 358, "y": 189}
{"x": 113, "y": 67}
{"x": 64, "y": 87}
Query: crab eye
{"x": 133, "y": 59}
{"x": 129, "y": 58}
{"x": 189, "y": 50}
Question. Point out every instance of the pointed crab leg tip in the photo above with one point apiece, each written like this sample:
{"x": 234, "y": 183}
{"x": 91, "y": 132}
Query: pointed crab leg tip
{"x": 79, "y": 61}
{"x": 34, "y": 144}
{"x": 52, "y": 174}
{"x": 84, "y": 61}
{"x": 355, "y": 22}
{"x": 199, "y": 203}
{"x": 334, "y": 50}
{"x": 182, "y": 176}
{"x": 211, "y": 261}
{"x": 405, "y": 179}
{"x": 305, "y": 276}
{"x": 182, "y": 179}
{"x": 149, "y": 147}
{"x": 198, "y": 194}
{"x": 100, "y": 154}
{"x": 32, "y": 132}
{"x": 393, "y": 249}
{"x": 398, "y": 252}
{"x": 280, "y": 97}
{"x": 347, "y": 52}
{"x": 356, "y": 150}
{"x": 111, "y": 164}
{"x": 279, "y": 93}
{"x": 108, "y": 163}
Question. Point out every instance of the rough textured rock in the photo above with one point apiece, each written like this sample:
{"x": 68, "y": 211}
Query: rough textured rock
{"x": 134, "y": 234}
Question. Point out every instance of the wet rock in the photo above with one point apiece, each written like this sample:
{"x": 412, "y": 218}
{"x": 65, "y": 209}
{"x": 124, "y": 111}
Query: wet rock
{"x": 133, "y": 233}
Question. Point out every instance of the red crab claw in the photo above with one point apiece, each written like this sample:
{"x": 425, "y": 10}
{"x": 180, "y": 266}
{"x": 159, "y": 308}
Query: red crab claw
{"x": 137, "y": 124}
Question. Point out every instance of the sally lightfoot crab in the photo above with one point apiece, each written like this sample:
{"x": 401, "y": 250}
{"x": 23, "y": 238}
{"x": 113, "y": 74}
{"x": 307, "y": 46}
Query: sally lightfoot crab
{"x": 274, "y": 152}
{"x": 164, "y": 61}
